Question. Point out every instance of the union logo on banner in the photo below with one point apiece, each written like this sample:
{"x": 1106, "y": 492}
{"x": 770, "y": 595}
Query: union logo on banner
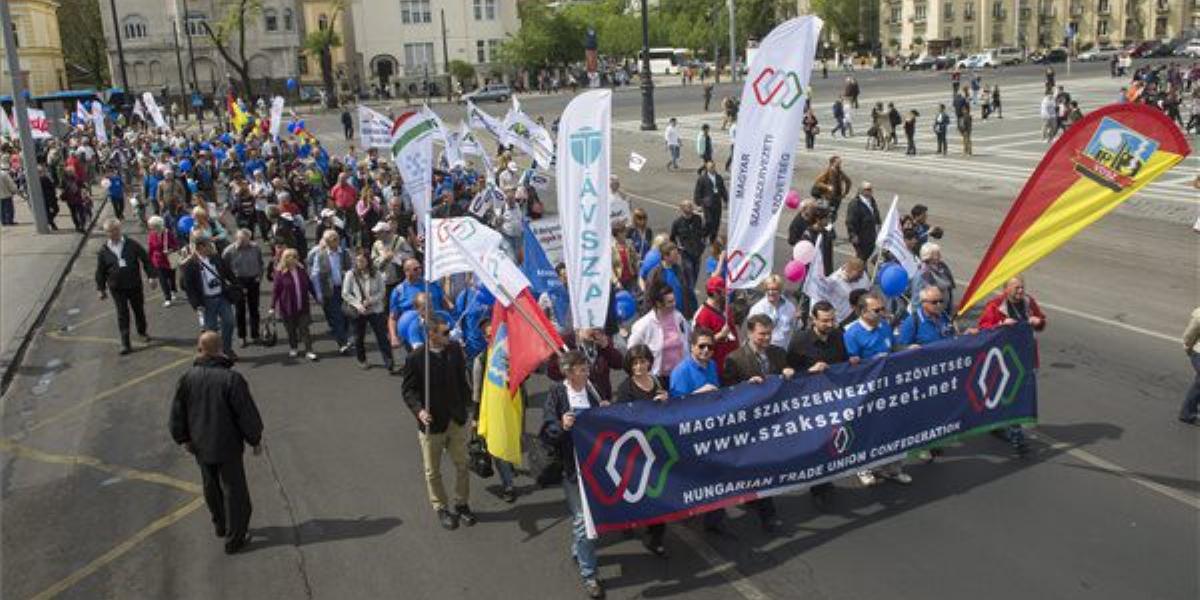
{"x": 779, "y": 88}
{"x": 996, "y": 377}
{"x": 648, "y": 458}
{"x": 1114, "y": 155}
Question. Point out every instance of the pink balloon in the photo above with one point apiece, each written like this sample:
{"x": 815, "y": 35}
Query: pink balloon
{"x": 795, "y": 271}
{"x": 792, "y": 199}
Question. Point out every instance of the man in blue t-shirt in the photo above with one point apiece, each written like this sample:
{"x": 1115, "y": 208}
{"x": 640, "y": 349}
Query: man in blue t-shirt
{"x": 698, "y": 372}
{"x": 870, "y": 335}
{"x": 929, "y": 323}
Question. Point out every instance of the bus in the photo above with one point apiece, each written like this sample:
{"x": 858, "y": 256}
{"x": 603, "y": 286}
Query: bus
{"x": 667, "y": 61}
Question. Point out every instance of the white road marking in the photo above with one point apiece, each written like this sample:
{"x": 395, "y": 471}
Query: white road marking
{"x": 718, "y": 564}
{"x": 1104, "y": 465}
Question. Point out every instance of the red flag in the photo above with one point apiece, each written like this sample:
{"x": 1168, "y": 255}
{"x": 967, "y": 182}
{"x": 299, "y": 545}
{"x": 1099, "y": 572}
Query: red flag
{"x": 531, "y": 336}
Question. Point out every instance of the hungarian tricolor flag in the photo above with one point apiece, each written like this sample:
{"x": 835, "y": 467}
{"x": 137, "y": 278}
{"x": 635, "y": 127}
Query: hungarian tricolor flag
{"x": 1098, "y": 163}
{"x": 411, "y": 126}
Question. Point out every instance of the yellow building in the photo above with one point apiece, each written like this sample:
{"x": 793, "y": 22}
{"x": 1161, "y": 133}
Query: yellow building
{"x": 39, "y": 47}
{"x": 318, "y": 14}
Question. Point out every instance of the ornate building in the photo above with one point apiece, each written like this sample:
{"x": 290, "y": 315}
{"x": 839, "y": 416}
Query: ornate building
{"x": 39, "y": 47}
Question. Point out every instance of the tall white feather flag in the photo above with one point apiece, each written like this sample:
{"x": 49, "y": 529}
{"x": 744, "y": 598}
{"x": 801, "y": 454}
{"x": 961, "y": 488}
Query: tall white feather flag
{"x": 891, "y": 238}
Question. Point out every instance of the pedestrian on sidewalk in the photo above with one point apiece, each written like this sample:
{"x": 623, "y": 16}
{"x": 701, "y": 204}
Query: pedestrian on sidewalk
{"x": 8, "y": 189}
{"x": 941, "y": 124}
{"x": 290, "y": 302}
{"x": 442, "y": 417}
{"x": 363, "y": 293}
{"x": 671, "y": 135}
{"x": 910, "y": 132}
{"x": 162, "y": 245}
{"x": 811, "y": 128}
{"x": 1191, "y": 400}
{"x": 79, "y": 203}
{"x": 964, "y": 129}
{"x": 347, "y": 124}
{"x": 704, "y": 146}
{"x": 206, "y": 279}
{"x": 213, "y": 416}
{"x": 245, "y": 259}
{"x": 116, "y": 192}
{"x": 49, "y": 195}
{"x": 708, "y": 93}
{"x": 327, "y": 264}
{"x": 117, "y": 273}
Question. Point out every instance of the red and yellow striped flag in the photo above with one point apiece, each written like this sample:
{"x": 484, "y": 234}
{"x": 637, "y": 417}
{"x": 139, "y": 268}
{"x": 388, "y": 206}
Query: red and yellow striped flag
{"x": 1095, "y": 166}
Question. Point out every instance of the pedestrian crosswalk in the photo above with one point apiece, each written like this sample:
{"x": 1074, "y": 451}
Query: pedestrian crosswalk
{"x": 1006, "y": 149}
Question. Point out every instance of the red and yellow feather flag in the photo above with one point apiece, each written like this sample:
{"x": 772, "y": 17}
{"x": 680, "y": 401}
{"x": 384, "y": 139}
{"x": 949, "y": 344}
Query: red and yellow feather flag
{"x": 1095, "y": 166}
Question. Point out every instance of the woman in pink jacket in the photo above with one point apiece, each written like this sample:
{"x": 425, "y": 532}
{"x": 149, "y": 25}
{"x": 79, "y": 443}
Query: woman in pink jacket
{"x": 161, "y": 243}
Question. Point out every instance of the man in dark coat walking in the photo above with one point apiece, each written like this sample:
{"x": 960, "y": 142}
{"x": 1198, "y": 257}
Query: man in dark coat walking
{"x": 117, "y": 264}
{"x": 213, "y": 416}
{"x": 862, "y": 222}
{"x": 710, "y": 195}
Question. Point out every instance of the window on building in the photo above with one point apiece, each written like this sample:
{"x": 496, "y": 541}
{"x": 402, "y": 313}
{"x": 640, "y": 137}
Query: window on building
{"x": 16, "y": 37}
{"x": 968, "y": 37}
{"x": 288, "y": 19}
{"x": 998, "y": 10}
{"x": 485, "y": 10}
{"x": 968, "y": 12}
{"x": 195, "y": 24}
{"x": 480, "y": 51}
{"x": 1102, "y": 27}
{"x": 323, "y": 22}
{"x": 896, "y": 13}
{"x": 415, "y": 11}
{"x": 919, "y": 12}
{"x": 1164, "y": 5}
{"x": 997, "y": 37}
{"x": 1103, "y": 7}
{"x": 302, "y": 63}
{"x": 418, "y": 57}
{"x": 948, "y": 11}
{"x": 271, "y": 20}
{"x": 493, "y": 49}
{"x": 1160, "y": 27}
{"x": 135, "y": 28}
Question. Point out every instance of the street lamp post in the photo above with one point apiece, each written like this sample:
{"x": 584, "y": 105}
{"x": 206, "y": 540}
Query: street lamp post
{"x": 112, "y": 5}
{"x": 647, "y": 82}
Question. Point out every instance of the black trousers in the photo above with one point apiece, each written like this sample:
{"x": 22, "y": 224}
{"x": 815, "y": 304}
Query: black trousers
{"x": 227, "y": 496}
{"x": 125, "y": 300}
{"x": 378, "y": 324}
{"x": 941, "y": 143}
{"x": 248, "y": 303}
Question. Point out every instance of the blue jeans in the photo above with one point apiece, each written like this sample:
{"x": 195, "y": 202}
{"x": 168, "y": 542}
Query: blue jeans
{"x": 218, "y": 308}
{"x": 8, "y": 212}
{"x": 505, "y": 469}
{"x": 1191, "y": 402}
{"x": 582, "y": 548}
{"x": 332, "y": 306}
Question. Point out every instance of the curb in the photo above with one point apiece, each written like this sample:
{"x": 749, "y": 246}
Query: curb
{"x": 17, "y": 356}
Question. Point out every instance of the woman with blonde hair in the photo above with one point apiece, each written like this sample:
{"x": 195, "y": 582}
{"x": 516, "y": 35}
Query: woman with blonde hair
{"x": 290, "y": 301}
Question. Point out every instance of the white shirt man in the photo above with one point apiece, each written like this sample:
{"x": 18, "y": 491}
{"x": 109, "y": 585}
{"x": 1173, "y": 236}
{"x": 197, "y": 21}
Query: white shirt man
{"x": 781, "y": 310}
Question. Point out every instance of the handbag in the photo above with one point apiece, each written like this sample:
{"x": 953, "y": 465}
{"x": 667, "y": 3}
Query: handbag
{"x": 270, "y": 334}
{"x": 232, "y": 291}
{"x": 478, "y": 458}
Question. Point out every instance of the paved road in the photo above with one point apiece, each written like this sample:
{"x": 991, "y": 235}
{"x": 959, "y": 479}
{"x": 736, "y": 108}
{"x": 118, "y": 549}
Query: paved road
{"x": 97, "y": 502}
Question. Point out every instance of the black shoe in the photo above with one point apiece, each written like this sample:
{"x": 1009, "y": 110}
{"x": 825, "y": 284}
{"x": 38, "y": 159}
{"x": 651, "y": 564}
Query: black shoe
{"x": 146, "y": 339}
{"x": 655, "y": 547}
{"x": 822, "y": 500}
{"x": 1021, "y": 448}
{"x": 448, "y": 519}
{"x": 245, "y": 343}
{"x": 1188, "y": 420}
{"x": 508, "y": 495}
{"x": 593, "y": 588}
{"x": 231, "y": 355}
{"x": 220, "y": 530}
{"x": 465, "y": 515}
{"x": 125, "y": 350}
{"x": 236, "y": 544}
{"x": 771, "y": 524}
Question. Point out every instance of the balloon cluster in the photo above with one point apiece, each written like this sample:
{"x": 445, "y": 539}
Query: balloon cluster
{"x": 803, "y": 254}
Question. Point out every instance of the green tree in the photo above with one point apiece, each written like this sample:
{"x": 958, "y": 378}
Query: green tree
{"x": 841, "y": 18}
{"x": 229, "y": 37}
{"x": 463, "y": 72}
{"x": 84, "y": 47}
{"x": 546, "y": 38}
{"x": 320, "y": 44}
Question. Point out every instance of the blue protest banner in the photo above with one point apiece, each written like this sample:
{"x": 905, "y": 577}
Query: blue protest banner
{"x": 537, "y": 267}
{"x": 642, "y": 463}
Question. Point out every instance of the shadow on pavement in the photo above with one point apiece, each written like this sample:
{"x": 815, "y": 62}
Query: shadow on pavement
{"x": 318, "y": 531}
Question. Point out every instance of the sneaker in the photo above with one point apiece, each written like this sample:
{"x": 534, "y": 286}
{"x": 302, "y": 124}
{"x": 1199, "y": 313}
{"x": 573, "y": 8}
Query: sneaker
{"x": 465, "y": 515}
{"x": 508, "y": 495}
{"x": 167, "y": 303}
{"x": 146, "y": 339}
{"x": 593, "y": 588}
{"x": 866, "y": 478}
{"x": 899, "y": 477}
{"x": 125, "y": 350}
{"x": 925, "y": 456}
{"x": 448, "y": 520}
{"x": 345, "y": 349}
{"x": 364, "y": 365}
{"x": 1188, "y": 420}
{"x": 655, "y": 548}
{"x": 293, "y": 354}
{"x": 312, "y": 356}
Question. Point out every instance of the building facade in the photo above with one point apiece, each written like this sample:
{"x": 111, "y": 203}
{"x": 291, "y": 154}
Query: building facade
{"x": 402, "y": 44}
{"x": 39, "y": 47}
{"x": 913, "y": 27}
{"x": 320, "y": 15}
{"x": 148, "y": 33}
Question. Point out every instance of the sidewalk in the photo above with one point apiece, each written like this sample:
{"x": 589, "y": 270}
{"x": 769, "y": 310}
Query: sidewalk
{"x": 32, "y": 268}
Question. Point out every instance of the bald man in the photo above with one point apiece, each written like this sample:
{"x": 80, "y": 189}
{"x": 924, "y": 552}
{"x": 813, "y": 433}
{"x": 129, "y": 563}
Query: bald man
{"x": 213, "y": 417}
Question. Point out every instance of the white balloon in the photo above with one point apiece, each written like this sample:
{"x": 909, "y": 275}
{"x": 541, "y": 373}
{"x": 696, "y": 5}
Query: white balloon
{"x": 804, "y": 251}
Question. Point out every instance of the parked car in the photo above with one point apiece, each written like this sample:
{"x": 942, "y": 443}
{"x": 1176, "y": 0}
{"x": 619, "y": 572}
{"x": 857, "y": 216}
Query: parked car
{"x": 1190, "y": 49}
{"x": 1053, "y": 55}
{"x": 1006, "y": 55}
{"x": 977, "y": 61}
{"x": 924, "y": 63}
{"x": 1099, "y": 53}
{"x": 492, "y": 92}
{"x": 1145, "y": 49}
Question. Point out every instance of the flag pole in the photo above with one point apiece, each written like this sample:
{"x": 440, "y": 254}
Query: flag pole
{"x": 428, "y": 306}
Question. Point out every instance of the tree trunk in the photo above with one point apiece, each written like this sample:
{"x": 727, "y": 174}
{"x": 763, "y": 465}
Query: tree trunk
{"x": 331, "y": 99}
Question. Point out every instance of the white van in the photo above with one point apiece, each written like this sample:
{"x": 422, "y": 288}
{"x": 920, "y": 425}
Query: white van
{"x": 1006, "y": 55}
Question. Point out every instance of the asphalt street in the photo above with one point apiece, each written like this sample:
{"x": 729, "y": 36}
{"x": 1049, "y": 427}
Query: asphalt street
{"x": 98, "y": 503}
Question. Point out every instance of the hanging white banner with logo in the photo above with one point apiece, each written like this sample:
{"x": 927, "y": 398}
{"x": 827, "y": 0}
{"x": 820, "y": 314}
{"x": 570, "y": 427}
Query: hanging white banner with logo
{"x": 478, "y": 119}
{"x": 97, "y": 118}
{"x": 891, "y": 238}
{"x": 39, "y": 125}
{"x": 155, "y": 112}
{"x": 7, "y": 130}
{"x": 768, "y": 129}
{"x": 584, "y": 145}
{"x": 412, "y": 151}
{"x": 276, "y": 115}
{"x": 527, "y": 135}
{"x": 472, "y": 237}
{"x": 374, "y": 129}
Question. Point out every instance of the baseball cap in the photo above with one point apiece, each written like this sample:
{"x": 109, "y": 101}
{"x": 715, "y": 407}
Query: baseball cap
{"x": 715, "y": 285}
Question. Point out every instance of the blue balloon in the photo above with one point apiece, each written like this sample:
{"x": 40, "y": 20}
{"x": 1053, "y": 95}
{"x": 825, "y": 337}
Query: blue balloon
{"x": 626, "y": 305}
{"x": 485, "y": 297}
{"x": 184, "y": 226}
{"x": 185, "y": 165}
{"x": 192, "y": 187}
{"x": 304, "y": 151}
{"x": 227, "y": 138}
{"x": 292, "y": 85}
{"x": 652, "y": 259}
{"x": 405, "y": 322}
{"x": 893, "y": 280}
{"x": 220, "y": 154}
{"x": 710, "y": 265}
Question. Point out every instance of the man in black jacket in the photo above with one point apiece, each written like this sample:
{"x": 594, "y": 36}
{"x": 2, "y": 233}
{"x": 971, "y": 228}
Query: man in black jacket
{"x": 753, "y": 362}
{"x": 862, "y": 221}
{"x": 210, "y": 286}
{"x": 213, "y": 416}
{"x": 443, "y": 418}
{"x": 710, "y": 194}
{"x": 687, "y": 232}
{"x": 117, "y": 264}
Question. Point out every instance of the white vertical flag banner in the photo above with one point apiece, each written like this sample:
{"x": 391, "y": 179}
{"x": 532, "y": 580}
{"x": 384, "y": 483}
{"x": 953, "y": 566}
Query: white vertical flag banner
{"x": 97, "y": 119}
{"x": 412, "y": 151}
{"x": 819, "y": 287}
{"x": 525, "y": 133}
{"x": 276, "y": 115}
{"x": 478, "y": 119}
{"x": 7, "y": 129}
{"x": 374, "y": 129}
{"x": 155, "y": 112}
{"x": 38, "y": 124}
{"x": 455, "y": 237}
{"x": 891, "y": 238}
{"x": 449, "y": 142}
{"x": 139, "y": 110}
{"x": 768, "y": 129}
{"x": 585, "y": 144}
